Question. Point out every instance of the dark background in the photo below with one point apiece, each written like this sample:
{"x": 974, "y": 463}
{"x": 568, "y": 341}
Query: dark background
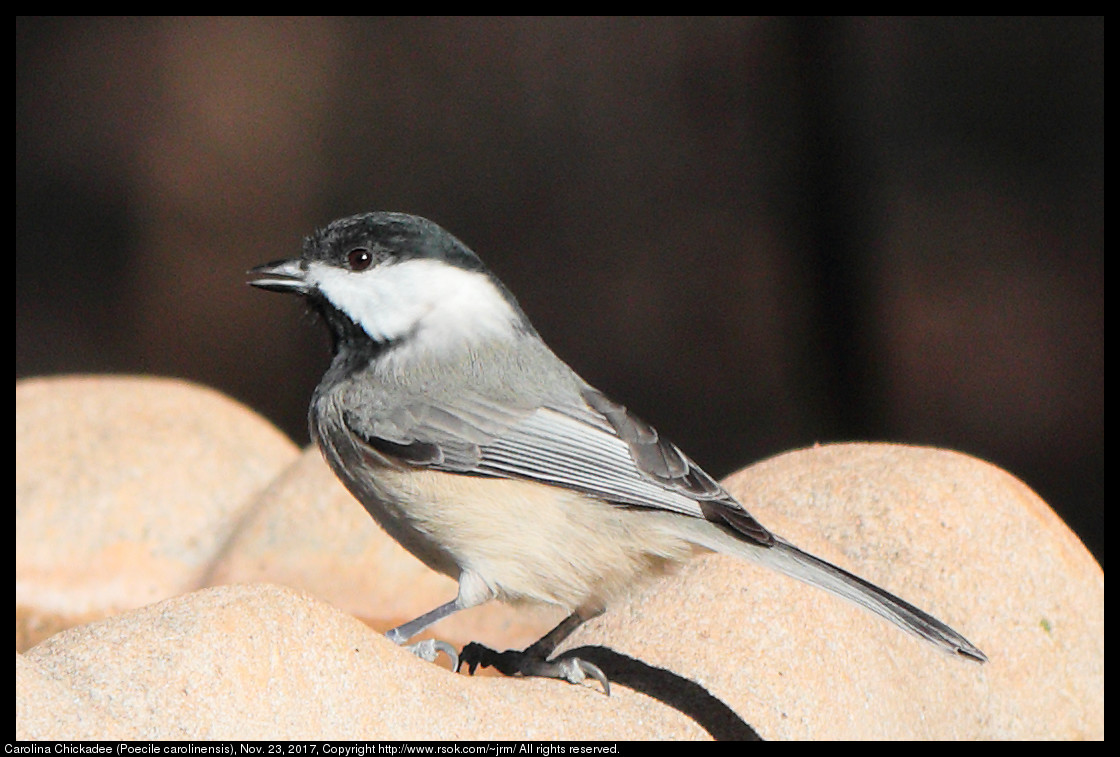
{"x": 758, "y": 233}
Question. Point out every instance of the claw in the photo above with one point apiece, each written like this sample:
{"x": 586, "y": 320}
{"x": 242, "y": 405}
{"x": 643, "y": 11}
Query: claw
{"x": 575, "y": 670}
{"x": 429, "y": 649}
{"x": 598, "y": 675}
{"x": 450, "y": 652}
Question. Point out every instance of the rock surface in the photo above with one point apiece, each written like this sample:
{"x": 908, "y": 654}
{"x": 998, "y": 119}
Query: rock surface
{"x": 155, "y": 520}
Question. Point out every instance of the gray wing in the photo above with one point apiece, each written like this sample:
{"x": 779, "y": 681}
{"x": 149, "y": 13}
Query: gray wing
{"x": 590, "y": 444}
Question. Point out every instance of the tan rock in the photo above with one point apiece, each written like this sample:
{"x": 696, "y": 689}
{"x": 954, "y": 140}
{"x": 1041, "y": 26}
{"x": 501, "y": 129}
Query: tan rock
{"x": 954, "y": 535}
{"x": 126, "y": 488}
{"x": 45, "y": 705}
{"x": 130, "y": 490}
{"x": 264, "y": 662}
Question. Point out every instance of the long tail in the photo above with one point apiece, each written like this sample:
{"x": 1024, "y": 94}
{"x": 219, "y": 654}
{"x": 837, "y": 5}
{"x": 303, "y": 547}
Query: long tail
{"x": 788, "y": 559}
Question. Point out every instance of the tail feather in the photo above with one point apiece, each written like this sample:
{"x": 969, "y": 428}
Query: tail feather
{"x": 791, "y": 561}
{"x": 788, "y": 559}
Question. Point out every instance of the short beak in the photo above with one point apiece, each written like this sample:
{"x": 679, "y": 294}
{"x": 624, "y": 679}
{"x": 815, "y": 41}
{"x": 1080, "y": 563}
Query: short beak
{"x": 280, "y": 276}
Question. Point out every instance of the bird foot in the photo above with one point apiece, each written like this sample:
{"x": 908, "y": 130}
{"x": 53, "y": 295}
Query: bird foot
{"x": 512, "y": 662}
{"x": 429, "y": 650}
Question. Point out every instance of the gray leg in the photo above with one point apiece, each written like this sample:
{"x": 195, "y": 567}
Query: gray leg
{"x": 406, "y": 631}
{"x": 472, "y": 591}
{"x": 428, "y": 649}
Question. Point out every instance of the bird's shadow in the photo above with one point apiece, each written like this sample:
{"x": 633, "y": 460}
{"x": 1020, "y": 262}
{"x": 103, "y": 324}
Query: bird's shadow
{"x": 682, "y": 694}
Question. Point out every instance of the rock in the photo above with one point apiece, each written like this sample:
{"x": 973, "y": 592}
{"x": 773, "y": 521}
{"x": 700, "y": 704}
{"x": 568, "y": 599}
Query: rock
{"x": 126, "y": 490}
{"x": 264, "y": 662}
{"x": 951, "y": 534}
{"x": 130, "y": 491}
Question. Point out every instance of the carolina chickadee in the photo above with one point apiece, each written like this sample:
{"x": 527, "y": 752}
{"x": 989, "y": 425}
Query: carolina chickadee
{"x": 488, "y": 458}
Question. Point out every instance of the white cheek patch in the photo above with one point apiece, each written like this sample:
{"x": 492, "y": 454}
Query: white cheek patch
{"x": 427, "y": 299}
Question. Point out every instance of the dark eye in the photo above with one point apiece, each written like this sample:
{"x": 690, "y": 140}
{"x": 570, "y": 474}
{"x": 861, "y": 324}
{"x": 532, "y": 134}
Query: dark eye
{"x": 359, "y": 259}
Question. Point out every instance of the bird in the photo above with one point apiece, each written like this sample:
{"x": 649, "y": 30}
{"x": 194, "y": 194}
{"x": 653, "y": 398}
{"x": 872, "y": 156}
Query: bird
{"x": 472, "y": 444}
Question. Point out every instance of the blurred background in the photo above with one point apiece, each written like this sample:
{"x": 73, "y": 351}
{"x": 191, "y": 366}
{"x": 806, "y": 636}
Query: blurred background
{"x": 758, "y": 233}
